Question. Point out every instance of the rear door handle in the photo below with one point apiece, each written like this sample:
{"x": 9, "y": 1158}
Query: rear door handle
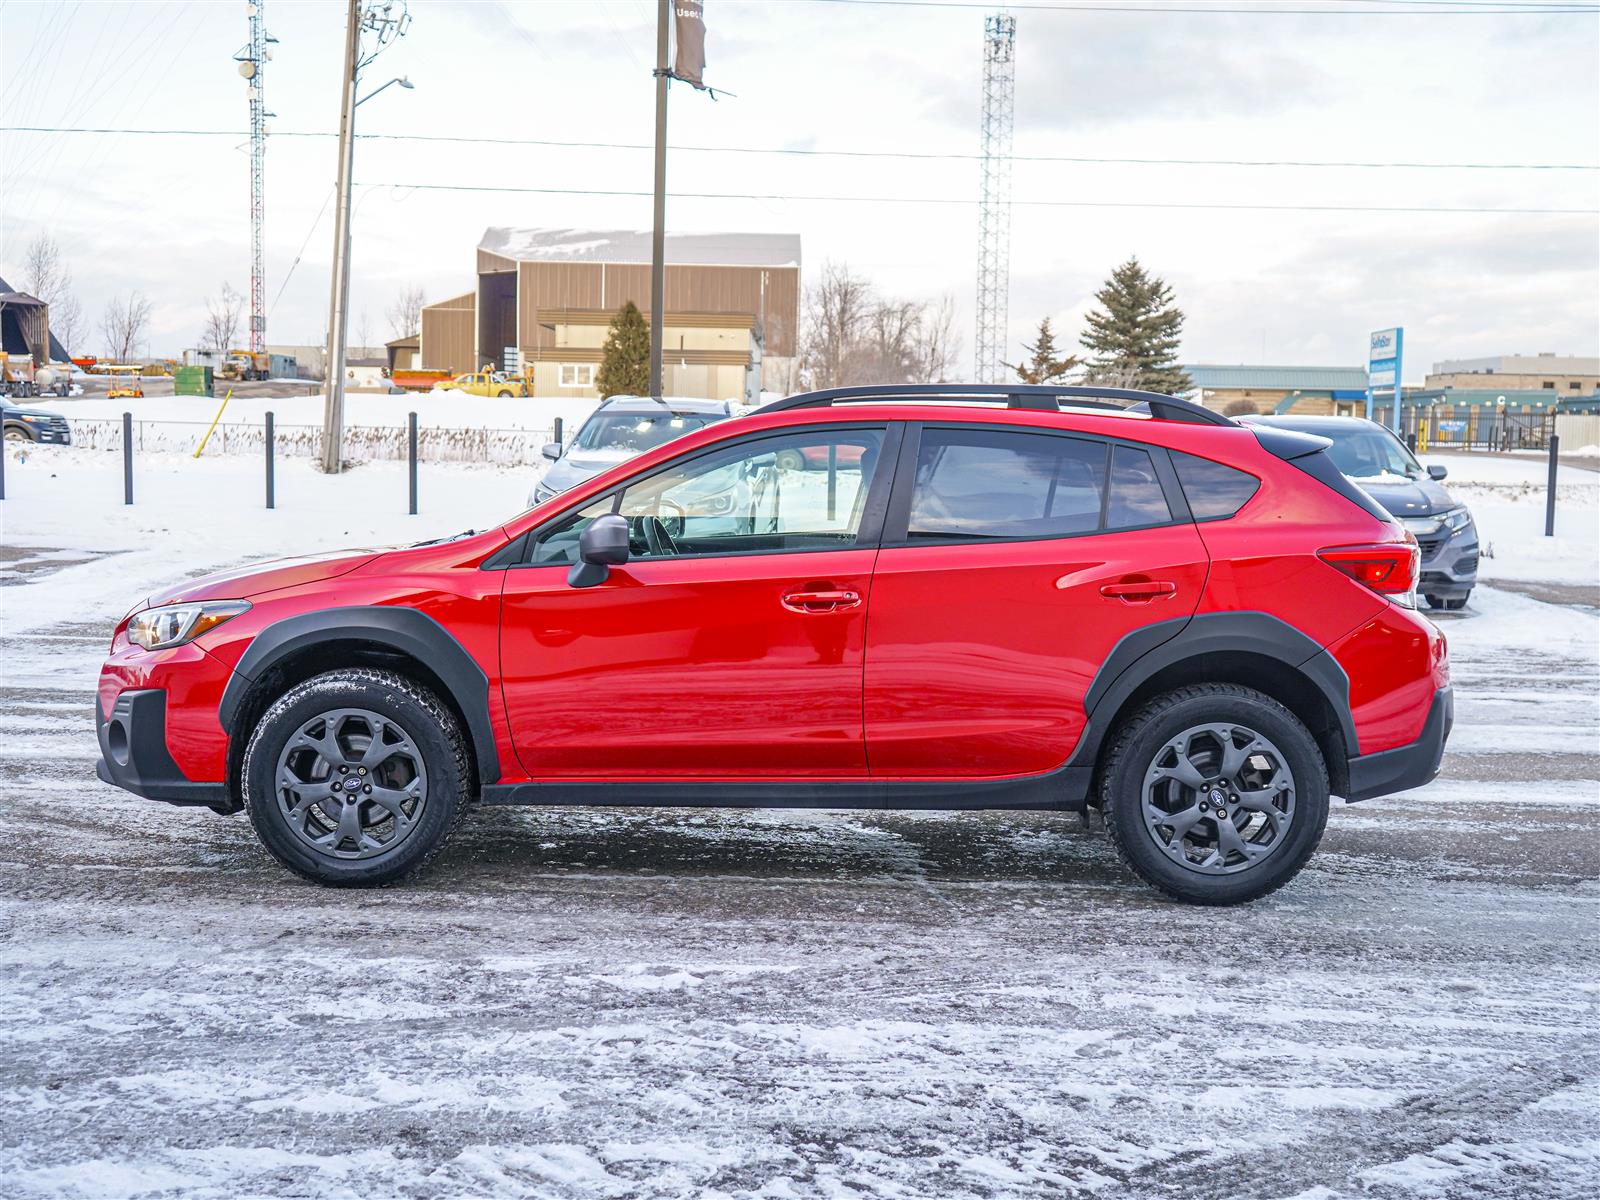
{"x": 1135, "y": 591}
{"x": 820, "y": 602}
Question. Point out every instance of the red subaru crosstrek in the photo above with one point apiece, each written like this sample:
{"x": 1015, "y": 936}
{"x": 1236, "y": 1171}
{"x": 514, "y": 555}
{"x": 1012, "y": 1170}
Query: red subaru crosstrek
{"x": 951, "y": 596}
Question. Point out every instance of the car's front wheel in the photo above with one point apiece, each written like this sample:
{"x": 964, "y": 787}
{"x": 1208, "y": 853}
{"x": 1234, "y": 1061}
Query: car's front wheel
{"x": 1215, "y": 794}
{"x": 16, "y": 433}
{"x": 356, "y": 777}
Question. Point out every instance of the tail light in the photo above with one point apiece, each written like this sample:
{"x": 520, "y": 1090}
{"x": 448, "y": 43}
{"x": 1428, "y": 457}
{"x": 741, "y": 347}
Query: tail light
{"x": 1387, "y": 567}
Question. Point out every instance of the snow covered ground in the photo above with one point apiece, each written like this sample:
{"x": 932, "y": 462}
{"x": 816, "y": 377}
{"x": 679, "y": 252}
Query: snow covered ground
{"x": 653, "y": 1003}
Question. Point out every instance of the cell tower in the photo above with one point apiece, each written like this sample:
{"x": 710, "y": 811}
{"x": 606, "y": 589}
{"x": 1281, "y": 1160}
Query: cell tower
{"x": 252, "y": 61}
{"x": 994, "y": 212}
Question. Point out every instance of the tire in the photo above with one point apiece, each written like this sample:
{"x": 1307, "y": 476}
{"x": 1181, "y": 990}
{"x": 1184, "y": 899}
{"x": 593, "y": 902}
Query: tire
{"x": 15, "y": 433}
{"x": 791, "y": 460}
{"x": 1138, "y": 782}
{"x": 503, "y": 395}
{"x": 427, "y": 765}
{"x": 1437, "y": 602}
{"x": 1457, "y": 604}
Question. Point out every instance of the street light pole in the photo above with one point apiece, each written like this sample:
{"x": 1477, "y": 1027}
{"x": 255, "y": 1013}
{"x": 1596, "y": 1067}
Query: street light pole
{"x": 339, "y": 301}
{"x": 658, "y": 255}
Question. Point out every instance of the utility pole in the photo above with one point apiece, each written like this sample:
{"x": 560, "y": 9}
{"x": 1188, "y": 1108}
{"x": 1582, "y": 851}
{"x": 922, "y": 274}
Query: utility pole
{"x": 994, "y": 211}
{"x": 658, "y": 244}
{"x": 339, "y": 301}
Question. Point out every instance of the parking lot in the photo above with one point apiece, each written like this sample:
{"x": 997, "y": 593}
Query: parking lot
{"x": 647, "y": 1002}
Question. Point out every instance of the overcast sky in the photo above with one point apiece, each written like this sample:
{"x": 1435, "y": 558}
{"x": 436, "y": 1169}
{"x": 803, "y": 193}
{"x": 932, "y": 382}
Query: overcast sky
{"x": 169, "y": 215}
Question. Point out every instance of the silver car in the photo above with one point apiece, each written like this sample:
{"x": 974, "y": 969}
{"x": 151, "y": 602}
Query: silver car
{"x": 1373, "y": 457}
{"x": 621, "y": 428}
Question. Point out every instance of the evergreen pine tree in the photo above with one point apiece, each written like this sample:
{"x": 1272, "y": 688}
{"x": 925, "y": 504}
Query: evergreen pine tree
{"x": 625, "y": 357}
{"x": 1043, "y": 366}
{"x": 1135, "y": 334}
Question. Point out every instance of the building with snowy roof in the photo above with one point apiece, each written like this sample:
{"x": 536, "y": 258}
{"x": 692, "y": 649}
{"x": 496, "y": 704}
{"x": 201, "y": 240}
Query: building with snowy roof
{"x": 542, "y": 299}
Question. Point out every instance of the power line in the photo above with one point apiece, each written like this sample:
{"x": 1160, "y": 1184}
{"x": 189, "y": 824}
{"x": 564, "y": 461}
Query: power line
{"x": 946, "y": 200}
{"x": 1080, "y": 159}
{"x": 1461, "y": 8}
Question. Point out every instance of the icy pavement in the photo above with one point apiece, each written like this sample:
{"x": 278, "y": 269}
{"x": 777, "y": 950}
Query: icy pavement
{"x": 651, "y": 1003}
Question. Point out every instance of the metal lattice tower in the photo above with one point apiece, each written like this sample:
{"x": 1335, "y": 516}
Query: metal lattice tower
{"x": 994, "y": 212}
{"x": 252, "y": 61}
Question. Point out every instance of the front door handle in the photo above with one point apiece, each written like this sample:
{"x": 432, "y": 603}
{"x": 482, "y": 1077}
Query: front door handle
{"x": 1139, "y": 591}
{"x": 821, "y": 602}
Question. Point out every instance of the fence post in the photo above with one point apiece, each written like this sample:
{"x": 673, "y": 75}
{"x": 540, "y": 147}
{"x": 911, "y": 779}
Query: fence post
{"x": 2, "y": 468}
{"x": 411, "y": 433}
{"x": 270, "y": 438}
{"x": 557, "y": 437}
{"x": 127, "y": 458}
{"x": 1550, "y": 488}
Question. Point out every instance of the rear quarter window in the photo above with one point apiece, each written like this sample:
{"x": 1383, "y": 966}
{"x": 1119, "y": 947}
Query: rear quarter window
{"x": 1213, "y": 489}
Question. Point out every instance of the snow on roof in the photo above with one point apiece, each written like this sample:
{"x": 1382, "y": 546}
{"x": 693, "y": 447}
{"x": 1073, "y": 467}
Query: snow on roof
{"x": 633, "y": 246}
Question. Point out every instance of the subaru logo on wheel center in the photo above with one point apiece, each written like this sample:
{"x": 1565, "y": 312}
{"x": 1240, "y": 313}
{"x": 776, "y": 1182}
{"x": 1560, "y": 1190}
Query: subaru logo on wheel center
{"x": 1218, "y": 795}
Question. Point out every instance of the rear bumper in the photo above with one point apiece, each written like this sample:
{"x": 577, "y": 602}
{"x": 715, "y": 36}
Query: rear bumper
{"x": 134, "y": 755}
{"x": 1405, "y": 766}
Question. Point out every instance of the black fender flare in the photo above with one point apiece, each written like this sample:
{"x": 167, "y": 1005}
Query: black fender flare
{"x": 1144, "y": 652}
{"x": 404, "y": 630}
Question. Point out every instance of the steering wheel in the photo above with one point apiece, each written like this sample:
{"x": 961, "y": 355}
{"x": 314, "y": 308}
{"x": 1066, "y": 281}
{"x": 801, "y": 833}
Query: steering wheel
{"x": 656, "y": 537}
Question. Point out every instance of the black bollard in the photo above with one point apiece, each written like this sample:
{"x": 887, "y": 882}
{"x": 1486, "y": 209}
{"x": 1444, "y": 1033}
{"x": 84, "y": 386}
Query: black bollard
{"x": 270, "y": 439}
{"x": 412, "y": 439}
{"x": 127, "y": 458}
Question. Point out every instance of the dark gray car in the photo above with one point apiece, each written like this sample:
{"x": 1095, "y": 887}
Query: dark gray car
{"x": 24, "y": 424}
{"x": 1373, "y": 457}
{"x": 622, "y": 427}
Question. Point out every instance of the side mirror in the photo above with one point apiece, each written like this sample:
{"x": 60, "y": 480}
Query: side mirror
{"x": 602, "y": 545}
{"x": 552, "y": 450}
{"x": 1435, "y": 471}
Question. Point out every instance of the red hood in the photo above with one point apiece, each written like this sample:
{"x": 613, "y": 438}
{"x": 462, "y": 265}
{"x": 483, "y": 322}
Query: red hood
{"x": 243, "y": 582}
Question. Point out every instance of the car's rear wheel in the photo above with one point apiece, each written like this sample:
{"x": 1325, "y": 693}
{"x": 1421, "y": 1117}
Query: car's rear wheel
{"x": 356, "y": 777}
{"x": 1215, "y": 794}
{"x": 791, "y": 460}
{"x": 504, "y": 395}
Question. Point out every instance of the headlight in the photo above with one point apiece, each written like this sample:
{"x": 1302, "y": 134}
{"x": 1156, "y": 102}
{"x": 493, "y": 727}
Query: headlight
{"x": 1420, "y": 526}
{"x": 30, "y": 419}
{"x": 175, "y": 624}
{"x": 1456, "y": 519}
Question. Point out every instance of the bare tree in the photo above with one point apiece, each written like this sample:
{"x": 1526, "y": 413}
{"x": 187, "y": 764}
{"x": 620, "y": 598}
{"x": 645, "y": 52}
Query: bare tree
{"x": 45, "y": 274}
{"x": 837, "y": 313}
{"x": 854, "y": 337}
{"x": 221, "y": 329}
{"x": 44, "y": 271}
{"x": 66, "y": 322}
{"x": 364, "y": 333}
{"x": 405, "y": 314}
{"x": 124, "y": 324}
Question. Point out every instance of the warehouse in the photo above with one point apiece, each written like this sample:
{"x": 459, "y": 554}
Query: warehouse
{"x": 1305, "y": 391}
{"x": 542, "y": 300}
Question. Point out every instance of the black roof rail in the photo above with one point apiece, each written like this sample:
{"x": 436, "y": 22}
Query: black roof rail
{"x": 1042, "y": 396}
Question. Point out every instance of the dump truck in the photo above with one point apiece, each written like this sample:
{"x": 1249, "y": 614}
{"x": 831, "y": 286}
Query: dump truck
{"x": 246, "y": 364}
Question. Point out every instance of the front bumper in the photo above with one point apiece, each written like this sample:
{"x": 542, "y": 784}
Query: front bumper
{"x": 1405, "y": 766}
{"x": 1449, "y": 566}
{"x": 134, "y": 755}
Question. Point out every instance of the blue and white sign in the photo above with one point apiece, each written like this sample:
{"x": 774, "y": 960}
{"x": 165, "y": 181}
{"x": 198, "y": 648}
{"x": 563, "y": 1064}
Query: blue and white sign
{"x": 1385, "y": 350}
{"x": 1383, "y": 358}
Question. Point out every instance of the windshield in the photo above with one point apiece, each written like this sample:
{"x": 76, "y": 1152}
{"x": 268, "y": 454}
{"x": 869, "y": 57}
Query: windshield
{"x": 637, "y": 432}
{"x": 1372, "y": 454}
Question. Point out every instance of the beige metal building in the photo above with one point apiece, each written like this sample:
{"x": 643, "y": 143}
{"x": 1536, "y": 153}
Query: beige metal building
{"x": 544, "y": 298}
{"x": 1566, "y": 375}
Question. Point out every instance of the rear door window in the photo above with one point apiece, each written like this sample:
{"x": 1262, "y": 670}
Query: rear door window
{"x": 986, "y": 484}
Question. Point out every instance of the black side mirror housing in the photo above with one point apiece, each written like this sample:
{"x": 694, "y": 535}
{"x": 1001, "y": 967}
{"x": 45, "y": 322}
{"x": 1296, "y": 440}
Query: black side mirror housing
{"x": 1435, "y": 471}
{"x": 551, "y": 450}
{"x": 602, "y": 545}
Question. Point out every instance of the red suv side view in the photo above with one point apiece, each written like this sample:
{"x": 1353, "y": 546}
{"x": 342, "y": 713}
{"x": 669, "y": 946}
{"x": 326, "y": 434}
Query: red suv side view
{"x": 950, "y": 596}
